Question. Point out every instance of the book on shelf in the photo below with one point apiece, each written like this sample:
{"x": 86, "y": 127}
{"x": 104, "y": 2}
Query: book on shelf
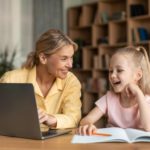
{"x": 115, "y": 134}
{"x": 120, "y": 15}
{"x": 104, "y": 17}
{"x": 143, "y": 33}
{"x": 77, "y": 58}
{"x": 96, "y": 18}
{"x": 96, "y": 62}
{"x": 135, "y": 35}
{"x": 139, "y": 34}
{"x": 104, "y": 61}
{"x": 137, "y": 10}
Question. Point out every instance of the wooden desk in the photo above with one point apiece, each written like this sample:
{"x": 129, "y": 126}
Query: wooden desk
{"x": 64, "y": 143}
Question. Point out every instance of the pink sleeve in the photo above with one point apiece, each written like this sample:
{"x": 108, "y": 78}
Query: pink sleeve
{"x": 102, "y": 104}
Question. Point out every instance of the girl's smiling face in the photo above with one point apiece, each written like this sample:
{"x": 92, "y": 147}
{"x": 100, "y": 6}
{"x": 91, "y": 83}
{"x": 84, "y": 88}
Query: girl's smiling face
{"x": 121, "y": 72}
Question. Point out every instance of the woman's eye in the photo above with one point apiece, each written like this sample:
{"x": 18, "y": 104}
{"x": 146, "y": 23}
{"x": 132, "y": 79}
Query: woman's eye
{"x": 63, "y": 58}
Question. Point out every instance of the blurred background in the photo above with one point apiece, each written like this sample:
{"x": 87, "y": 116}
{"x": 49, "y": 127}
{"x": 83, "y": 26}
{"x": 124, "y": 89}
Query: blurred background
{"x": 99, "y": 27}
{"x": 21, "y": 23}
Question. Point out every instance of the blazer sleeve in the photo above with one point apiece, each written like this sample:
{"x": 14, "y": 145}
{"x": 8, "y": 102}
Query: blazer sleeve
{"x": 71, "y": 105}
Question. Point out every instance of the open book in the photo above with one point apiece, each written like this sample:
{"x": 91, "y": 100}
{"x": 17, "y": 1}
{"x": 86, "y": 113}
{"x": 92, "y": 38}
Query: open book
{"x": 117, "y": 135}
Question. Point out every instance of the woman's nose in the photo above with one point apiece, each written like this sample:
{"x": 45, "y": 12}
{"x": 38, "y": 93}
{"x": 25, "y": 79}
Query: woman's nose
{"x": 69, "y": 63}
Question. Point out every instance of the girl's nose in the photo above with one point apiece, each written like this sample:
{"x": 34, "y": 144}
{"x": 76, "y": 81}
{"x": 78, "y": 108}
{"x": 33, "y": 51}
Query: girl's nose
{"x": 113, "y": 75}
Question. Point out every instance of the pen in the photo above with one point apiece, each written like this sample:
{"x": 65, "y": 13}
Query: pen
{"x": 101, "y": 134}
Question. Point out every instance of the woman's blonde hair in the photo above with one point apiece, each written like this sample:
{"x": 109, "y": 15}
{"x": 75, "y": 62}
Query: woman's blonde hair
{"x": 140, "y": 59}
{"x": 48, "y": 43}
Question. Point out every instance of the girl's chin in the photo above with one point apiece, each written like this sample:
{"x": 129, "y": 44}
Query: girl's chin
{"x": 117, "y": 90}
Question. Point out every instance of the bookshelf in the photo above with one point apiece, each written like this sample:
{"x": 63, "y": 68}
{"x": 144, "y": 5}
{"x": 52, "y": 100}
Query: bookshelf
{"x": 99, "y": 29}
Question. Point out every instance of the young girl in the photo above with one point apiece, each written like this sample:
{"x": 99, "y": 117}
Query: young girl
{"x": 128, "y": 104}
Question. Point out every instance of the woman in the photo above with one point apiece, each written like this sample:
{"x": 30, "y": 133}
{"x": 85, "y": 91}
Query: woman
{"x": 57, "y": 90}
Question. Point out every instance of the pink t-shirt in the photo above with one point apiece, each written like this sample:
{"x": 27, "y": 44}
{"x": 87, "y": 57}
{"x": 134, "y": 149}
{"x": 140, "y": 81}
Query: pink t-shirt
{"x": 119, "y": 116}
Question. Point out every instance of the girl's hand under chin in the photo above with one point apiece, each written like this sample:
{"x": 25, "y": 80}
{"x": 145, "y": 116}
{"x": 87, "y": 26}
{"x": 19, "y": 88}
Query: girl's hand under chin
{"x": 132, "y": 90}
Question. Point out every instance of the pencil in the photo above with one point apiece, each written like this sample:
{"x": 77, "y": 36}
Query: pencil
{"x": 101, "y": 134}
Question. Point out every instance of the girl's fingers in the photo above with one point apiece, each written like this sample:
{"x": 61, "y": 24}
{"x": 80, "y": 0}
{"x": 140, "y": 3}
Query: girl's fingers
{"x": 79, "y": 130}
{"x": 85, "y": 130}
{"x": 91, "y": 129}
{"x": 82, "y": 130}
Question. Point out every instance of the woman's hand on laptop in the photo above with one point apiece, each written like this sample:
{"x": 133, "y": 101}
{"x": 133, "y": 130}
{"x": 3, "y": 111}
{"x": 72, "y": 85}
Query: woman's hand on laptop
{"x": 46, "y": 119}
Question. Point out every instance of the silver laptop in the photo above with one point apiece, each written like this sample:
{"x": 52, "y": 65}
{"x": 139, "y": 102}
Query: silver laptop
{"x": 18, "y": 113}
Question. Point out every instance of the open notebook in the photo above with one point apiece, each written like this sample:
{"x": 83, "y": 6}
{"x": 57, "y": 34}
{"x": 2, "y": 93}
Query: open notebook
{"x": 114, "y": 135}
{"x": 18, "y": 112}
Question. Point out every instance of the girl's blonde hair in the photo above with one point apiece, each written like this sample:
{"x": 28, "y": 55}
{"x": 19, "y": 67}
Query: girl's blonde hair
{"x": 48, "y": 43}
{"x": 140, "y": 59}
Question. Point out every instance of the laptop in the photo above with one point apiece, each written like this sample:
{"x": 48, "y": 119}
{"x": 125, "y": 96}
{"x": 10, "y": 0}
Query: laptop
{"x": 18, "y": 113}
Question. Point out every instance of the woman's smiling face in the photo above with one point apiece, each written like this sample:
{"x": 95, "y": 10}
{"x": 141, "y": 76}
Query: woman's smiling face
{"x": 59, "y": 63}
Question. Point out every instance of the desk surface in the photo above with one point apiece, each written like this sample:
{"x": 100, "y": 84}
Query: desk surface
{"x": 63, "y": 142}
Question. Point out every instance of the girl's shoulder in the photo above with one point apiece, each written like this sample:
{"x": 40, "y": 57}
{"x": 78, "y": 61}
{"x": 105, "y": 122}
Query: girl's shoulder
{"x": 111, "y": 94}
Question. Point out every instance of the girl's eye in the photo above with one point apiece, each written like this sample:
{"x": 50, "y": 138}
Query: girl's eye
{"x": 120, "y": 70}
{"x": 110, "y": 71}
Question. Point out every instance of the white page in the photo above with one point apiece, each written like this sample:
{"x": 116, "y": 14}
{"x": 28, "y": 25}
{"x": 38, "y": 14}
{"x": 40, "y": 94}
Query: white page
{"x": 118, "y": 134}
{"x": 138, "y": 134}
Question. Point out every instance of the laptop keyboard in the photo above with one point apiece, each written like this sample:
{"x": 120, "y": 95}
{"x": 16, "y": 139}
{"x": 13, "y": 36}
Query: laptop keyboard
{"x": 55, "y": 132}
{"x": 50, "y": 132}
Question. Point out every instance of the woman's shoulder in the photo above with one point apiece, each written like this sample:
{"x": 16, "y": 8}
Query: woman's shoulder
{"x": 14, "y": 75}
{"x": 16, "y": 72}
{"x": 71, "y": 79}
{"x": 71, "y": 76}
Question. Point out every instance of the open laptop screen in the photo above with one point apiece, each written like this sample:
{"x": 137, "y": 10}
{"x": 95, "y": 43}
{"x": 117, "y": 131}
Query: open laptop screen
{"x": 18, "y": 111}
